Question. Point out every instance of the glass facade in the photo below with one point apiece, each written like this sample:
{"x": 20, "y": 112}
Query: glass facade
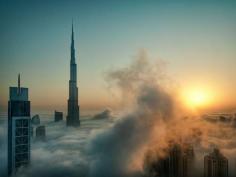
{"x": 18, "y": 130}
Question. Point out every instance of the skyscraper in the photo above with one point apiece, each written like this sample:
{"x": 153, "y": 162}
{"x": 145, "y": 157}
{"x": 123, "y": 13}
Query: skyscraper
{"x": 18, "y": 128}
{"x": 176, "y": 162}
{"x": 73, "y": 105}
{"x": 188, "y": 161}
{"x": 40, "y": 133}
{"x": 215, "y": 165}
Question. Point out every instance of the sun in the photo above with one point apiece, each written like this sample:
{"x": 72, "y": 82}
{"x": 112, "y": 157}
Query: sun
{"x": 197, "y": 98}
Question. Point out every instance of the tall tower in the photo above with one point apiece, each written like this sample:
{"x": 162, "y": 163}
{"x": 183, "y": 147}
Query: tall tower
{"x": 18, "y": 128}
{"x": 215, "y": 165}
{"x": 73, "y": 105}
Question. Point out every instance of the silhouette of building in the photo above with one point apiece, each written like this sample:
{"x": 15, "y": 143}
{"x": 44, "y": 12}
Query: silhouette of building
{"x": 177, "y": 162}
{"x": 234, "y": 167}
{"x": 188, "y": 161}
{"x": 215, "y": 165}
{"x": 58, "y": 116}
{"x": 163, "y": 168}
{"x": 73, "y": 116}
{"x": 41, "y": 133}
{"x": 35, "y": 120}
{"x": 18, "y": 128}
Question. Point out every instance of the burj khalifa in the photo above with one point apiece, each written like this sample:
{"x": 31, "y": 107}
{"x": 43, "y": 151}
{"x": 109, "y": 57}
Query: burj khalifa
{"x": 73, "y": 116}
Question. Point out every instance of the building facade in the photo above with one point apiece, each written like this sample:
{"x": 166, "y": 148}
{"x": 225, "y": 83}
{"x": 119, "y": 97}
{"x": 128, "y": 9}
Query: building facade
{"x": 73, "y": 116}
{"x": 18, "y": 128}
{"x": 215, "y": 165}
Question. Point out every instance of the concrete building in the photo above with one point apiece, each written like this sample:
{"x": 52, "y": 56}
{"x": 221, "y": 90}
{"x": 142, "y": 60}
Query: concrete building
{"x": 73, "y": 116}
{"x": 40, "y": 133}
{"x": 58, "y": 116}
{"x": 215, "y": 165}
{"x": 18, "y": 128}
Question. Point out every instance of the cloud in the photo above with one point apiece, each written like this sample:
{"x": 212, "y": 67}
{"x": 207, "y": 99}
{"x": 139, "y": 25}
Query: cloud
{"x": 60, "y": 155}
{"x": 122, "y": 146}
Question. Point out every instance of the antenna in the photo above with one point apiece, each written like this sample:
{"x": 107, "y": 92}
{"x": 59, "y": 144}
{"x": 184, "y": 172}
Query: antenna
{"x": 19, "y": 84}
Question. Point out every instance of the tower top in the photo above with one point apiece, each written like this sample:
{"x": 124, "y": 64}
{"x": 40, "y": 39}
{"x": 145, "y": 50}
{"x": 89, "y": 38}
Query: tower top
{"x": 18, "y": 90}
{"x": 72, "y": 32}
{"x": 72, "y": 47}
{"x": 18, "y": 93}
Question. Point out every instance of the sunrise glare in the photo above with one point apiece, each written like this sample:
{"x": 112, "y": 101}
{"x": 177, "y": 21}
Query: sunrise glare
{"x": 197, "y": 98}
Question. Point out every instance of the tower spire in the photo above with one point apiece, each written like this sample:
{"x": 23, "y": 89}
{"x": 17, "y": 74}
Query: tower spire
{"x": 18, "y": 83}
{"x": 72, "y": 35}
{"x": 72, "y": 48}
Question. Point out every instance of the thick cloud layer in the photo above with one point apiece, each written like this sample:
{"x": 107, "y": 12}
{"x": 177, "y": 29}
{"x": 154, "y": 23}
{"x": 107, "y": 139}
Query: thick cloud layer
{"x": 119, "y": 146}
{"x": 122, "y": 146}
{"x": 63, "y": 153}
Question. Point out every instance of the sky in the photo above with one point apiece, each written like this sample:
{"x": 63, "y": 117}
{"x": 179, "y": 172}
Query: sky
{"x": 195, "y": 38}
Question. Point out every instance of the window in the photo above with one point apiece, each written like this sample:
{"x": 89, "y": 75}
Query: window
{"x": 18, "y": 123}
{"x": 25, "y": 123}
{"x": 18, "y": 132}
{"x": 25, "y": 131}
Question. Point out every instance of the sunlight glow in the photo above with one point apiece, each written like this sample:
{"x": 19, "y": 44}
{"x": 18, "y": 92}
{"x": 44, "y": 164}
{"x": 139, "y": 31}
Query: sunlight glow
{"x": 197, "y": 98}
